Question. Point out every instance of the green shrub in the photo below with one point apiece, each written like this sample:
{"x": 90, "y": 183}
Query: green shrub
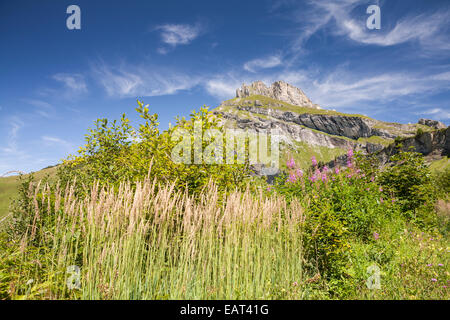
{"x": 409, "y": 179}
{"x": 340, "y": 205}
{"x": 117, "y": 152}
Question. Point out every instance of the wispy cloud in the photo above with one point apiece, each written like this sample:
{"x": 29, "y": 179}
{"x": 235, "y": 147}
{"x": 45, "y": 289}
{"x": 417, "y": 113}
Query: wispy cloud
{"x": 174, "y": 35}
{"x": 55, "y": 141}
{"x": 263, "y": 63}
{"x": 429, "y": 29}
{"x": 222, "y": 87}
{"x": 15, "y": 125}
{"x": 437, "y": 113}
{"x": 74, "y": 82}
{"x": 343, "y": 88}
{"x": 42, "y": 108}
{"x": 141, "y": 80}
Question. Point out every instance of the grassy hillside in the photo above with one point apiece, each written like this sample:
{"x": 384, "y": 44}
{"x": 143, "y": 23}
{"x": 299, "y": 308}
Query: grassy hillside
{"x": 440, "y": 165}
{"x": 8, "y": 188}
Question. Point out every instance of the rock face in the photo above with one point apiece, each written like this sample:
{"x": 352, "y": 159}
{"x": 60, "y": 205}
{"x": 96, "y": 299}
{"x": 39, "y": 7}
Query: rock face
{"x": 279, "y": 90}
{"x": 432, "y": 123}
{"x": 433, "y": 145}
{"x": 327, "y": 134}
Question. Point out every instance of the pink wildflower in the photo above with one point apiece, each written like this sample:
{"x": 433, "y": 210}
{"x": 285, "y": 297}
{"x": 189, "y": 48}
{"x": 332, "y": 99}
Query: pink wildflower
{"x": 376, "y": 236}
{"x": 314, "y": 161}
{"x": 350, "y": 153}
{"x": 291, "y": 163}
{"x": 292, "y": 178}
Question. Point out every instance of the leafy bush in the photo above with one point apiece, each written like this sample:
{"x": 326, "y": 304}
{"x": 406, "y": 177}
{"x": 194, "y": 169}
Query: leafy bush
{"x": 442, "y": 180}
{"x": 118, "y": 152}
{"x": 409, "y": 179}
{"x": 341, "y": 205}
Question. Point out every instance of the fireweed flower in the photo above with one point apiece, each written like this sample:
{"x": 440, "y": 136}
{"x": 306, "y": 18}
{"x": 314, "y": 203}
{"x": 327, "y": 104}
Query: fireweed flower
{"x": 292, "y": 178}
{"x": 429, "y": 265}
{"x": 349, "y": 163}
{"x": 324, "y": 177}
{"x": 314, "y": 161}
{"x": 336, "y": 170}
{"x": 291, "y": 163}
{"x": 440, "y": 265}
{"x": 433, "y": 279}
{"x": 376, "y": 236}
{"x": 350, "y": 153}
{"x": 325, "y": 169}
{"x": 299, "y": 173}
{"x": 317, "y": 172}
{"x": 381, "y": 200}
{"x": 313, "y": 178}
{"x": 372, "y": 179}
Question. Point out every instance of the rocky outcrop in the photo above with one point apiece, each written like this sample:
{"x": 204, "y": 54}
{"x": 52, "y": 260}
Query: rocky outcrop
{"x": 433, "y": 145}
{"x": 345, "y": 126}
{"x": 287, "y": 108}
{"x": 432, "y": 123}
{"x": 292, "y": 131}
{"x": 279, "y": 90}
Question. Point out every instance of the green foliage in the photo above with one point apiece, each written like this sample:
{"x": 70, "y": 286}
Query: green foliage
{"x": 442, "y": 180}
{"x": 118, "y": 152}
{"x": 340, "y": 206}
{"x": 409, "y": 180}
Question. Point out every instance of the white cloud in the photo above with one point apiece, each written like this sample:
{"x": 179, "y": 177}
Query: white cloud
{"x": 263, "y": 63}
{"x": 15, "y": 125}
{"x": 437, "y": 113}
{"x": 222, "y": 88}
{"x": 342, "y": 88}
{"x": 145, "y": 81}
{"x": 428, "y": 29}
{"x": 52, "y": 141}
{"x": 74, "y": 82}
{"x": 178, "y": 34}
{"x": 43, "y": 108}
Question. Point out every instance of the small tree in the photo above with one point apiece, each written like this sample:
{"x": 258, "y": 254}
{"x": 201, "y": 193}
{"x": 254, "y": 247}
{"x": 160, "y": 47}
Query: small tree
{"x": 409, "y": 180}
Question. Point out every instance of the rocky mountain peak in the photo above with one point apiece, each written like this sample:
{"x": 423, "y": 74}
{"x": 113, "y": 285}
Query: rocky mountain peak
{"x": 279, "y": 90}
{"x": 432, "y": 123}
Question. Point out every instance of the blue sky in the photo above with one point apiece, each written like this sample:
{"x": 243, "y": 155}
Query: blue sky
{"x": 180, "y": 55}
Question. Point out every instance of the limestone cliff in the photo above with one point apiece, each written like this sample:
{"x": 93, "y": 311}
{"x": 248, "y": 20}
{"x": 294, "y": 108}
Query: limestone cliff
{"x": 308, "y": 129}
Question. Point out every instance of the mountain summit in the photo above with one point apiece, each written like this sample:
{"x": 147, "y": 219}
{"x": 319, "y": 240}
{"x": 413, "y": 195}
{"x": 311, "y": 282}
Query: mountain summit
{"x": 309, "y": 130}
{"x": 279, "y": 90}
